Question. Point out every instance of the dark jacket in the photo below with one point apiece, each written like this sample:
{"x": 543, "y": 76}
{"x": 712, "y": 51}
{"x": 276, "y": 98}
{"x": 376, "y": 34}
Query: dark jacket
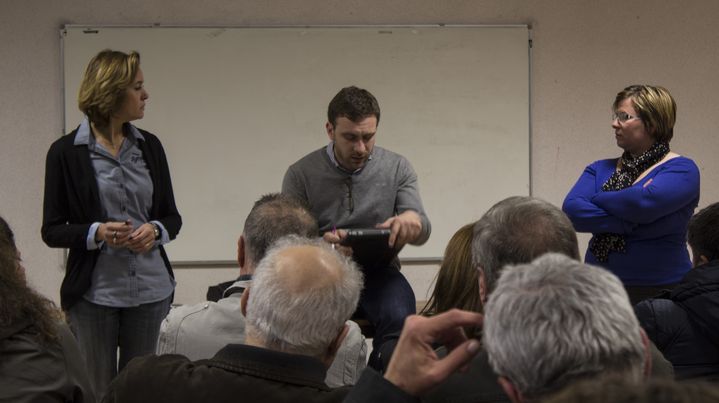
{"x": 33, "y": 372}
{"x": 684, "y": 322}
{"x": 480, "y": 383}
{"x": 373, "y": 388}
{"x": 72, "y": 204}
{"x": 237, "y": 373}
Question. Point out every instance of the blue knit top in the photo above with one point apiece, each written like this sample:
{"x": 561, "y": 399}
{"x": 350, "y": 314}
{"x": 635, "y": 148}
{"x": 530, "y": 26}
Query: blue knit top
{"x": 652, "y": 215}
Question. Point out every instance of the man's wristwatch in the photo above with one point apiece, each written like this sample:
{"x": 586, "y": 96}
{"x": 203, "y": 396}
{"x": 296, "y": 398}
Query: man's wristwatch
{"x": 157, "y": 231}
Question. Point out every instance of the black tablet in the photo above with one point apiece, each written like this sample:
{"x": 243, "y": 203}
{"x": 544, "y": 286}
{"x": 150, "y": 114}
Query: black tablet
{"x": 366, "y": 235}
{"x": 370, "y": 247}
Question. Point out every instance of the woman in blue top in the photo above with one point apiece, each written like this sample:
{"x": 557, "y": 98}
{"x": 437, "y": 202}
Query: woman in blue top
{"x": 638, "y": 206}
{"x": 109, "y": 201}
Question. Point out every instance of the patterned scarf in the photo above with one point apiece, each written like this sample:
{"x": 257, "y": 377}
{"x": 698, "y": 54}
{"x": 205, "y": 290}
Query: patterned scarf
{"x": 602, "y": 244}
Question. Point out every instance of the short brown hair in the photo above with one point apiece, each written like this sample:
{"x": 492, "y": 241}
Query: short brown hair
{"x": 103, "y": 86}
{"x": 353, "y": 103}
{"x": 655, "y": 107}
{"x": 518, "y": 230}
{"x": 703, "y": 232}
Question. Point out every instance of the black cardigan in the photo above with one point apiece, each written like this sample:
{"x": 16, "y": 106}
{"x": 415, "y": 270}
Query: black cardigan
{"x": 72, "y": 204}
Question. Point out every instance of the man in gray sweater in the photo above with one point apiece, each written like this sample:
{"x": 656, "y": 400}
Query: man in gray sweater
{"x": 350, "y": 183}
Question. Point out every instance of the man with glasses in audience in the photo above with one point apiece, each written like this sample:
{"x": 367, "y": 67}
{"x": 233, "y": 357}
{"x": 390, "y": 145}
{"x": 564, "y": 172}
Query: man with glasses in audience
{"x": 350, "y": 183}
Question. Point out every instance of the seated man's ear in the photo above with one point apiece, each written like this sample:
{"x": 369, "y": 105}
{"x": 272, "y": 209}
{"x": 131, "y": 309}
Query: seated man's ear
{"x": 697, "y": 258}
{"x": 647, "y": 354}
{"x": 514, "y": 395}
{"x": 482, "y": 279}
{"x": 700, "y": 260}
{"x": 241, "y": 251}
{"x": 243, "y": 301}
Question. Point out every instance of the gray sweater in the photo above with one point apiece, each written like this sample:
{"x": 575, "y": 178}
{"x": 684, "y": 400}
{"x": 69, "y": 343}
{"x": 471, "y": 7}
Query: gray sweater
{"x": 386, "y": 186}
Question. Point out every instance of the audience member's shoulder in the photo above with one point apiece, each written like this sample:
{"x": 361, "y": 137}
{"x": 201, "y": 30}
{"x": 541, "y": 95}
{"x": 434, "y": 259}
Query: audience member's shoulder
{"x": 22, "y": 347}
{"x": 145, "y": 378}
{"x": 661, "y": 319}
{"x": 658, "y": 310}
{"x": 31, "y": 369}
{"x": 149, "y": 370}
{"x": 178, "y": 313}
{"x": 174, "y": 321}
{"x": 203, "y": 309}
{"x": 175, "y": 378}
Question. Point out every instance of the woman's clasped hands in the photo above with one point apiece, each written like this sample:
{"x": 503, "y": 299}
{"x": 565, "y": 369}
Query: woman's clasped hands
{"x": 120, "y": 234}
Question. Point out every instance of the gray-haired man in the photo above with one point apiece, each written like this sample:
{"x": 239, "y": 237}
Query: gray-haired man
{"x": 515, "y": 230}
{"x": 556, "y": 321}
{"x": 199, "y": 331}
{"x": 547, "y": 324}
{"x": 303, "y": 291}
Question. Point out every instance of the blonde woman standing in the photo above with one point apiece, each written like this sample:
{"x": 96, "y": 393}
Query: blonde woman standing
{"x": 638, "y": 206}
{"x": 109, "y": 200}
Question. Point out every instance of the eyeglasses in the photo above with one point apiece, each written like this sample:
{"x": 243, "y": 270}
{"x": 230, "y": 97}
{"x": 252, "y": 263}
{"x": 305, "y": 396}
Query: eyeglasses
{"x": 622, "y": 117}
{"x": 351, "y": 203}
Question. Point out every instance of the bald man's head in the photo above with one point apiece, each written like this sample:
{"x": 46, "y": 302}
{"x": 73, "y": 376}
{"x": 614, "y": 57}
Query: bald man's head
{"x": 302, "y": 293}
{"x": 306, "y": 268}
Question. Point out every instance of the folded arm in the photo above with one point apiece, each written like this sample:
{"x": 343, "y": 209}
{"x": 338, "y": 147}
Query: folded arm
{"x": 587, "y": 216}
{"x": 675, "y": 186}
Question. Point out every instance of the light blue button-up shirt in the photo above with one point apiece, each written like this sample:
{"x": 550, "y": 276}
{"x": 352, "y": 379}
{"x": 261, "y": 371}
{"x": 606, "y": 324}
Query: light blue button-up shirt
{"x": 122, "y": 278}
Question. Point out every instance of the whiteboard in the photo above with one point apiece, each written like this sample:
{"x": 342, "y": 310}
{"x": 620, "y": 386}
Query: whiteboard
{"x": 234, "y": 107}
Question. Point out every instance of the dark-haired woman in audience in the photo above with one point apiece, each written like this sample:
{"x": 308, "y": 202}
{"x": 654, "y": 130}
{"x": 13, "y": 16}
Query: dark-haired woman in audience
{"x": 637, "y": 206}
{"x": 456, "y": 286}
{"x": 109, "y": 199}
{"x": 39, "y": 358}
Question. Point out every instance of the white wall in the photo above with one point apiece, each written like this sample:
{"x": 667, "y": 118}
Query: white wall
{"x": 584, "y": 53}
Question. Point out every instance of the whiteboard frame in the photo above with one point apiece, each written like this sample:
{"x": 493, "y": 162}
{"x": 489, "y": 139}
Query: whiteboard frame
{"x": 231, "y": 263}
